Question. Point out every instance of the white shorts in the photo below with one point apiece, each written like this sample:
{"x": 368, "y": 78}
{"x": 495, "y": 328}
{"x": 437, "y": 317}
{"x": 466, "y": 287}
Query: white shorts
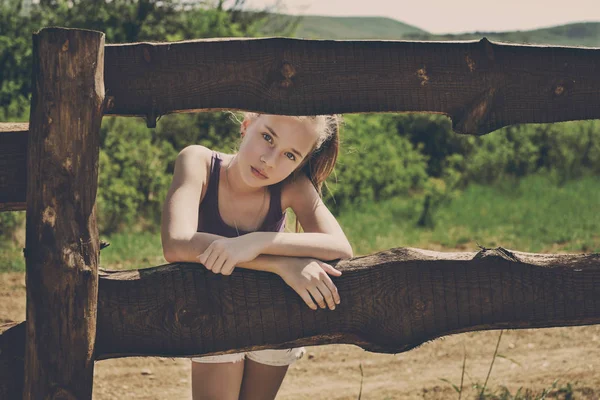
{"x": 268, "y": 357}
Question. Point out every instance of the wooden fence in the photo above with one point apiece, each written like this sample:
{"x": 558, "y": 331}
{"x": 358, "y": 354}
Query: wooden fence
{"x": 393, "y": 300}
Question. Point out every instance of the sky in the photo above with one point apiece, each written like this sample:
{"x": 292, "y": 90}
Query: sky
{"x": 452, "y": 16}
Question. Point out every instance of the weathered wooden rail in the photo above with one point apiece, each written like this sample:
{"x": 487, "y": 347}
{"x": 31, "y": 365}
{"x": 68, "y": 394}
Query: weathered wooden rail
{"x": 51, "y": 171}
{"x": 392, "y": 301}
{"x": 481, "y": 86}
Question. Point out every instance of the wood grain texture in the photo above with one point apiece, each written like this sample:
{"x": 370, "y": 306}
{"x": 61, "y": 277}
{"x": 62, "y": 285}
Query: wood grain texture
{"x": 62, "y": 245}
{"x": 13, "y": 165}
{"x": 12, "y": 359}
{"x": 481, "y": 85}
{"x": 391, "y": 302}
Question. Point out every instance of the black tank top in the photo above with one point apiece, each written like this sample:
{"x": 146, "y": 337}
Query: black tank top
{"x": 209, "y": 217}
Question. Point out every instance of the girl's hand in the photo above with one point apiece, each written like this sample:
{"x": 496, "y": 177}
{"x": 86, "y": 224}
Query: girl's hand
{"x": 308, "y": 277}
{"x": 222, "y": 255}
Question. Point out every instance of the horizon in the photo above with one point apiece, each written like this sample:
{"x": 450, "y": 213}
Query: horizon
{"x": 450, "y": 18}
{"x": 450, "y": 33}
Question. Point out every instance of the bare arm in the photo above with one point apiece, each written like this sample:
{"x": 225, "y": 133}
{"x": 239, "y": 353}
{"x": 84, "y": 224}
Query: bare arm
{"x": 323, "y": 238}
{"x": 188, "y": 250}
{"x": 323, "y": 246}
{"x": 180, "y": 241}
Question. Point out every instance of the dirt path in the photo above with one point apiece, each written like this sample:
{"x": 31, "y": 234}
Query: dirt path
{"x": 533, "y": 359}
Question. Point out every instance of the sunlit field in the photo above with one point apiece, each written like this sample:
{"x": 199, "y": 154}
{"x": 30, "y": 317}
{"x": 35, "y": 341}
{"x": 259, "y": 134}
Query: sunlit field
{"x": 532, "y": 214}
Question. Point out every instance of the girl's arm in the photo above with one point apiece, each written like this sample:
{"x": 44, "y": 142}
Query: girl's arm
{"x": 323, "y": 237}
{"x": 188, "y": 249}
{"x": 180, "y": 241}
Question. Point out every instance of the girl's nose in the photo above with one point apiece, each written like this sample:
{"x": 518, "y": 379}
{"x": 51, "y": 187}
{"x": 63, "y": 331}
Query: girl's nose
{"x": 269, "y": 158}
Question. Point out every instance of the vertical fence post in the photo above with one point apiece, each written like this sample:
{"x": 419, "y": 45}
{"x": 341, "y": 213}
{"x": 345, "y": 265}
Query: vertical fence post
{"x": 62, "y": 247}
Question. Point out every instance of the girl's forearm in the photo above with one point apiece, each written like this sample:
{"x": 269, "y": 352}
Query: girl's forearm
{"x": 187, "y": 249}
{"x": 307, "y": 244}
{"x": 265, "y": 262}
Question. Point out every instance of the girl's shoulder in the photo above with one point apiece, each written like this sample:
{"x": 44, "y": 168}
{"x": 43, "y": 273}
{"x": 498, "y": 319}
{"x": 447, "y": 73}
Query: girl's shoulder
{"x": 293, "y": 189}
{"x": 195, "y": 150}
{"x": 195, "y": 156}
{"x": 201, "y": 155}
{"x": 192, "y": 166}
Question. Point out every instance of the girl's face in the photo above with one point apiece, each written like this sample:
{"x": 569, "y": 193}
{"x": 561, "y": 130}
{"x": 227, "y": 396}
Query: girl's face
{"x": 273, "y": 146}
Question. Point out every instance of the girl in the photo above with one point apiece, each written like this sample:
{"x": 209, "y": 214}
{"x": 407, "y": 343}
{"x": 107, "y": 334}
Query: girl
{"x": 282, "y": 162}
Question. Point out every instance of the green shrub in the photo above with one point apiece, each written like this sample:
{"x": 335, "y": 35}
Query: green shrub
{"x": 433, "y": 136}
{"x": 565, "y": 150}
{"x": 10, "y": 221}
{"x": 572, "y": 149}
{"x": 374, "y": 163}
{"x": 133, "y": 177}
{"x": 512, "y": 151}
{"x": 218, "y": 131}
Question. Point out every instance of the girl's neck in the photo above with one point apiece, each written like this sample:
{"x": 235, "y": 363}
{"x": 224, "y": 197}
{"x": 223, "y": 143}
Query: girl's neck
{"x": 235, "y": 182}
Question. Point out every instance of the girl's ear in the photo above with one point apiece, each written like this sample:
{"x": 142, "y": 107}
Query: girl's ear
{"x": 245, "y": 123}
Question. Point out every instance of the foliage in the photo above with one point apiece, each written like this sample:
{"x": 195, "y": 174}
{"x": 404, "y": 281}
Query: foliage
{"x": 133, "y": 178}
{"x": 571, "y": 149}
{"x": 135, "y": 162}
{"x": 218, "y": 131}
{"x": 532, "y": 215}
{"x": 10, "y": 222}
{"x": 382, "y": 156}
{"x": 576, "y": 34}
{"x": 440, "y": 190}
{"x": 123, "y": 21}
{"x": 344, "y": 28}
{"x": 15, "y": 61}
{"x": 566, "y": 150}
{"x": 434, "y": 136}
{"x": 374, "y": 164}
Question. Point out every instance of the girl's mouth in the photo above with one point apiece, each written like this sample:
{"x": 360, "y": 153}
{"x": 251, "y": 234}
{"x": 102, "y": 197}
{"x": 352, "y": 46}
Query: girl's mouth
{"x": 256, "y": 173}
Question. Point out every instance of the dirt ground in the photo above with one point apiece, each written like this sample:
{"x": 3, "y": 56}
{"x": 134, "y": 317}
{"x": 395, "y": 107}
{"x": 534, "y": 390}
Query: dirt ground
{"x": 532, "y": 359}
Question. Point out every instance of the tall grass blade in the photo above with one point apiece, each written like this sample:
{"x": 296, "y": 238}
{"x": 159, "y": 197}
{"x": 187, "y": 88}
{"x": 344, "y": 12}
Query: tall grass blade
{"x": 491, "y": 365}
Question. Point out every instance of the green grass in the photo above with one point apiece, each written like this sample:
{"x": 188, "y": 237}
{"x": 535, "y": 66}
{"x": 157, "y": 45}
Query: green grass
{"x": 11, "y": 258}
{"x": 322, "y": 27}
{"x": 358, "y": 28}
{"x": 576, "y": 34}
{"x": 532, "y": 214}
{"x": 126, "y": 251}
{"x": 132, "y": 250}
{"x": 383, "y": 28}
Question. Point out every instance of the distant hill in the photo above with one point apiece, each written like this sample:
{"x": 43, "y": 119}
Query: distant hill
{"x": 346, "y": 28}
{"x": 578, "y": 34}
{"x": 340, "y": 28}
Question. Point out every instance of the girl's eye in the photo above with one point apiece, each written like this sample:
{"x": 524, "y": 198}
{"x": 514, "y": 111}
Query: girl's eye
{"x": 267, "y": 137}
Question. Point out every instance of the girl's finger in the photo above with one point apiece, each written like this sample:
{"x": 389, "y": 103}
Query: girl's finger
{"x": 327, "y": 295}
{"x": 228, "y": 267}
{"x": 219, "y": 262}
{"x": 334, "y": 291}
{"x": 204, "y": 257}
{"x": 212, "y": 257}
{"x": 329, "y": 269}
{"x": 308, "y": 300}
{"x": 314, "y": 292}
